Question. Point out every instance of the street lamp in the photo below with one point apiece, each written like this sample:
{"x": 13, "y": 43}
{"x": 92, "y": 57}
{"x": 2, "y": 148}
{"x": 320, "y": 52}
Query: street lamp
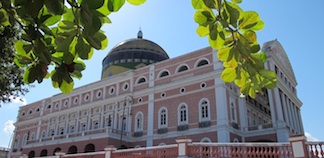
{"x": 129, "y": 99}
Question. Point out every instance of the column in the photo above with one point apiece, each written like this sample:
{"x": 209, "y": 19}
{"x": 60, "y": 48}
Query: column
{"x": 109, "y": 151}
{"x": 183, "y": 147}
{"x": 297, "y": 143}
{"x": 223, "y": 134}
{"x": 243, "y": 112}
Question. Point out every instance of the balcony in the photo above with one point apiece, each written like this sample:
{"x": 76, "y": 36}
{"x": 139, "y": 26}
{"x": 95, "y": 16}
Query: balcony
{"x": 204, "y": 124}
{"x": 183, "y": 127}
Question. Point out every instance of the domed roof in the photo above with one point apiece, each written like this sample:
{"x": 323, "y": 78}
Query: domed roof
{"x": 131, "y": 54}
{"x": 138, "y": 43}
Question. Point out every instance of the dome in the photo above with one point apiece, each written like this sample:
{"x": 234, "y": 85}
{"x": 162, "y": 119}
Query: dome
{"x": 131, "y": 54}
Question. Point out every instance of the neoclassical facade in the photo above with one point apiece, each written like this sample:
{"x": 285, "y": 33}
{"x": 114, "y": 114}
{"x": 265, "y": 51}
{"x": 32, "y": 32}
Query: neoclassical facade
{"x": 146, "y": 99}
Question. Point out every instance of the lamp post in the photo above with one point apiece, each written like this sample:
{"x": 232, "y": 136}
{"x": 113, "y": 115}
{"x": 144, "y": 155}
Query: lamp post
{"x": 128, "y": 98}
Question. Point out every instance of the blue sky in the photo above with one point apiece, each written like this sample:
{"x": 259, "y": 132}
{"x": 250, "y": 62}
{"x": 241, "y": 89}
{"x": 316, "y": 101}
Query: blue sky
{"x": 297, "y": 25}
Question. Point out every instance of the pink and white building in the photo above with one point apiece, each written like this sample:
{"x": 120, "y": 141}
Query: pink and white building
{"x": 146, "y": 99}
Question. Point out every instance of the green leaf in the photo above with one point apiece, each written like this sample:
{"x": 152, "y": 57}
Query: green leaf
{"x": 94, "y": 4}
{"x": 83, "y": 49}
{"x": 251, "y": 20}
{"x": 64, "y": 45}
{"x": 98, "y": 41}
{"x": 41, "y": 51}
{"x": 250, "y": 36}
{"x": 229, "y": 74}
{"x": 234, "y": 13}
{"x": 115, "y": 5}
{"x": 55, "y": 7}
{"x": 237, "y": 1}
{"x": 66, "y": 87}
{"x": 93, "y": 27}
{"x": 52, "y": 20}
{"x": 210, "y": 3}
{"x": 197, "y": 4}
{"x": 223, "y": 53}
{"x": 203, "y": 17}
{"x": 202, "y": 31}
{"x": 136, "y": 2}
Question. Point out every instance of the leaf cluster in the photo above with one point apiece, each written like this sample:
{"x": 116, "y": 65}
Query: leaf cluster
{"x": 232, "y": 32}
{"x": 11, "y": 82}
{"x": 58, "y": 33}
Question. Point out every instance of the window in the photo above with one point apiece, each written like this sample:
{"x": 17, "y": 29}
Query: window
{"x": 163, "y": 118}
{"x": 139, "y": 122}
{"x": 164, "y": 73}
{"x": 182, "y": 114}
{"x": 72, "y": 129}
{"x": 83, "y": 127}
{"x": 95, "y": 124}
{"x": 202, "y": 62}
{"x": 52, "y": 132}
{"x": 99, "y": 93}
{"x": 86, "y": 97}
{"x": 109, "y": 121}
{"x": 141, "y": 80}
{"x": 61, "y": 131}
{"x": 44, "y": 134}
{"x": 30, "y": 111}
{"x": 182, "y": 68}
{"x": 111, "y": 90}
{"x": 25, "y": 140}
{"x": 233, "y": 112}
{"x": 32, "y": 137}
{"x": 204, "y": 112}
{"x": 66, "y": 103}
{"x": 125, "y": 86}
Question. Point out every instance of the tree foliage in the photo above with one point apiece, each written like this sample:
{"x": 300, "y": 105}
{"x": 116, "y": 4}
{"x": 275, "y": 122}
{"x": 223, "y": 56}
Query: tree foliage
{"x": 63, "y": 33}
{"x": 11, "y": 82}
{"x": 232, "y": 32}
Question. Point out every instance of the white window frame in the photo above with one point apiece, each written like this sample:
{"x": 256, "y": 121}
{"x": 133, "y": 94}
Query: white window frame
{"x": 200, "y": 110}
{"x": 160, "y": 117}
{"x": 180, "y": 110}
{"x": 139, "y": 119}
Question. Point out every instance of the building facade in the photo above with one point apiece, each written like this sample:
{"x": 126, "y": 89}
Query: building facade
{"x": 146, "y": 99}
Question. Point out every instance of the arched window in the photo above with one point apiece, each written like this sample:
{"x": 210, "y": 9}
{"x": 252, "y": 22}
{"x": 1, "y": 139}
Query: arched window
{"x": 204, "y": 110}
{"x": 44, "y": 134}
{"x": 89, "y": 148}
{"x": 31, "y": 154}
{"x": 182, "y": 114}
{"x": 205, "y": 140}
{"x": 52, "y": 132}
{"x": 57, "y": 150}
{"x": 32, "y": 137}
{"x": 182, "y": 68}
{"x": 43, "y": 153}
{"x": 16, "y": 142}
{"x": 164, "y": 73}
{"x": 72, "y": 150}
{"x": 24, "y": 142}
{"x": 163, "y": 118}
{"x": 139, "y": 122}
{"x": 202, "y": 62}
{"x": 141, "y": 80}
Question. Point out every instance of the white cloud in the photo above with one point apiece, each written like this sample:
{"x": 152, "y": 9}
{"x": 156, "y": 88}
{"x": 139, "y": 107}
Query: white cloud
{"x": 9, "y": 127}
{"x": 310, "y": 137}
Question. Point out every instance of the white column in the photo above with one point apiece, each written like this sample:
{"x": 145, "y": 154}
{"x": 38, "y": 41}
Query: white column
{"x": 223, "y": 134}
{"x": 150, "y": 120}
{"x": 243, "y": 112}
{"x": 285, "y": 107}
{"x": 300, "y": 121}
